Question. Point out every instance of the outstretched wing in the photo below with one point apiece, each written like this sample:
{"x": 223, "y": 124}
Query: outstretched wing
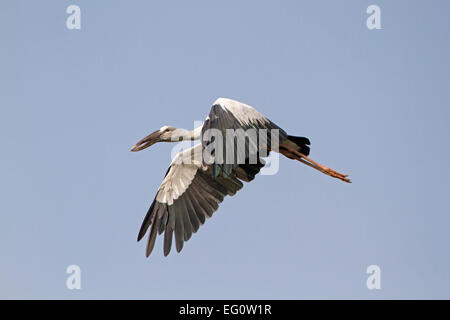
{"x": 230, "y": 114}
{"x": 187, "y": 196}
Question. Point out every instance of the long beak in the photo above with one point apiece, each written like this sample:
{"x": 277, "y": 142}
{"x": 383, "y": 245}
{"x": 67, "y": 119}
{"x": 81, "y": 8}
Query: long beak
{"x": 147, "y": 141}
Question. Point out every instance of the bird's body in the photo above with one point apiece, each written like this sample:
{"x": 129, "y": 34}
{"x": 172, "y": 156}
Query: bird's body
{"x": 194, "y": 186}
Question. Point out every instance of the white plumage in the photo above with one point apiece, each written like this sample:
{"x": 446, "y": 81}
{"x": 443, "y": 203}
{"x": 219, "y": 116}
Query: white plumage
{"x": 181, "y": 173}
{"x": 244, "y": 113}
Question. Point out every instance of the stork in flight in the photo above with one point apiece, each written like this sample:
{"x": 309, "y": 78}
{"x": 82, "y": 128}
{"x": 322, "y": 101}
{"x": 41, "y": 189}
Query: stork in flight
{"x": 192, "y": 190}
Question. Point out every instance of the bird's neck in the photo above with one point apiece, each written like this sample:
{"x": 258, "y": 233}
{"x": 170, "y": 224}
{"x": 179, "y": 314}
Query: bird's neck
{"x": 182, "y": 134}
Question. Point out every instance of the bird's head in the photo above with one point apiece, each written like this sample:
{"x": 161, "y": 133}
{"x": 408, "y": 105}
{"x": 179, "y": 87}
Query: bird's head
{"x": 165, "y": 134}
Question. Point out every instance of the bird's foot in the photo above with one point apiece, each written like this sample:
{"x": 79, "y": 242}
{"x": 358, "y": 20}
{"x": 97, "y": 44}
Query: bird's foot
{"x": 335, "y": 174}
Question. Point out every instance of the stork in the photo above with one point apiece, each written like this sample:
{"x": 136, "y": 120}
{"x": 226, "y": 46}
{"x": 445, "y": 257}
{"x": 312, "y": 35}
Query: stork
{"x": 193, "y": 188}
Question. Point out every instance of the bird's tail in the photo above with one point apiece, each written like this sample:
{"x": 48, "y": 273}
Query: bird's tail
{"x": 300, "y": 144}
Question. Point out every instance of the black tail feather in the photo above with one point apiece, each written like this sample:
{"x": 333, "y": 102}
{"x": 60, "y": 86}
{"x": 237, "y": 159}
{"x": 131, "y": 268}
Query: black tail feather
{"x": 302, "y": 143}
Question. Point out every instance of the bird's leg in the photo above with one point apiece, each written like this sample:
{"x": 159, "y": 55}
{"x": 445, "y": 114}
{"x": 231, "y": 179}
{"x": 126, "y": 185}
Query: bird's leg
{"x": 313, "y": 164}
{"x": 324, "y": 169}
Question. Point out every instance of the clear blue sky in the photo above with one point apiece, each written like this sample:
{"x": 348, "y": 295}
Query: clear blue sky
{"x": 375, "y": 104}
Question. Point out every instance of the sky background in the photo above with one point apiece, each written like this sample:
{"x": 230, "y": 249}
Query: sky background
{"x": 374, "y": 103}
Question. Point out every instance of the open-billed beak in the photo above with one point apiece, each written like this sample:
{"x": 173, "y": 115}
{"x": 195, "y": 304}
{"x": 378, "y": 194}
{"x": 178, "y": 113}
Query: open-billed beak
{"x": 147, "y": 141}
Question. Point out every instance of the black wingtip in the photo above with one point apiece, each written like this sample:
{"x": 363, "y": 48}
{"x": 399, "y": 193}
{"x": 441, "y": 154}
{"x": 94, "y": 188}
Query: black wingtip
{"x": 142, "y": 232}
